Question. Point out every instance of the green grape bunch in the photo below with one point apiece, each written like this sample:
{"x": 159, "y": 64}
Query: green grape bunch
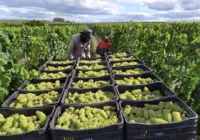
{"x": 139, "y": 94}
{"x": 45, "y": 75}
{"x": 87, "y": 74}
{"x": 87, "y": 118}
{"x": 50, "y": 68}
{"x": 62, "y": 62}
{"x": 164, "y": 112}
{"x": 91, "y": 67}
{"x": 29, "y": 100}
{"x": 118, "y": 64}
{"x": 134, "y": 81}
{"x": 43, "y": 86}
{"x": 19, "y": 123}
{"x": 90, "y": 84}
{"x": 119, "y": 54}
{"x": 131, "y": 71}
{"x": 89, "y": 97}
{"x": 90, "y": 61}
{"x": 122, "y": 58}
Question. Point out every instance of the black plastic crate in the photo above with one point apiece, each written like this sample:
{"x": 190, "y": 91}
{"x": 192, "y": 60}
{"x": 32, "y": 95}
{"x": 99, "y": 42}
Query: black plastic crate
{"x": 183, "y": 130}
{"x": 164, "y": 90}
{"x": 140, "y": 62}
{"x": 112, "y": 132}
{"x": 102, "y": 59}
{"x": 80, "y": 91}
{"x": 35, "y": 81}
{"x": 124, "y": 68}
{"x": 103, "y": 78}
{"x": 68, "y": 72}
{"x": 40, "y": 134}
{"x": 16, "y": 93}
{"x": 75, "y": 72}
{"x": 154, "y": 77}
{"x": 42, "y": 68}
{"x": 105, "y": 64}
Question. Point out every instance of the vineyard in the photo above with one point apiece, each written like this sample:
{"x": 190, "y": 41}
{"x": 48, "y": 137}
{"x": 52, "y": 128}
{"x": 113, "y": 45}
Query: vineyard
{"x": 169, "y": 50}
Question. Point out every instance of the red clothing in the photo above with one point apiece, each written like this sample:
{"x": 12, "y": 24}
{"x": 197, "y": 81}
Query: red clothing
{"x": 105, "y": 45}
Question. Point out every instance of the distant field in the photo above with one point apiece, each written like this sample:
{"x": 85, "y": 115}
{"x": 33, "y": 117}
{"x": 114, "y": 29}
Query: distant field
{"x": 20, "y": 22}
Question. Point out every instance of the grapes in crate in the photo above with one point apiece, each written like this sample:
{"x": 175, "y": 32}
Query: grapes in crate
{"x": 87, "y": 74}
{"x": 33, "y": 100}
{"x": 89, "y": 97}
{"x": 87, "y": 118}
{"x": 164, "y": 112}
{"x": 90, "y": 84}
{"x": 139, "y": 94}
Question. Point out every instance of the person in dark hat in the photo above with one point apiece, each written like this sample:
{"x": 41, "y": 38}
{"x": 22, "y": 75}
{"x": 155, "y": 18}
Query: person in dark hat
{"x": 104, "y": 46}
{"x": 80, "y": 45}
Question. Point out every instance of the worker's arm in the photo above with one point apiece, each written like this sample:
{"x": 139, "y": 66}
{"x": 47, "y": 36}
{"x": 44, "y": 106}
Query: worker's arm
{"x": 110, "y": 47}
{"x": 71, "y": 49}
{"x": 99, "y": 44}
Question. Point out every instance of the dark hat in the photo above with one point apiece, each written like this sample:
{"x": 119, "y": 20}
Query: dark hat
{"x": 88, "y": 32}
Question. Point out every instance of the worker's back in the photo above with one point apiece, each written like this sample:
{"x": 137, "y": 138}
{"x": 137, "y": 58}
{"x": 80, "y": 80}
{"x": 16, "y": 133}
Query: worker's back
{"x": 77, "y": 48}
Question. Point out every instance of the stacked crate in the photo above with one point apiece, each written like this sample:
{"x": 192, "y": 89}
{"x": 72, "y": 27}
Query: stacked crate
{"x": 104, "y": 74}
{"x": 46, "y": 75}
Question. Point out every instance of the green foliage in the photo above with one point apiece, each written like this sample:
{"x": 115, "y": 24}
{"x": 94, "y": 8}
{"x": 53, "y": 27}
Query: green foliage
{"x": 170, "y": 49}
{"x": 93, "y": 47}
{"x": 34, "y": 23}
{"x": 23, "y": 49}
{"x": 58, "y": 19}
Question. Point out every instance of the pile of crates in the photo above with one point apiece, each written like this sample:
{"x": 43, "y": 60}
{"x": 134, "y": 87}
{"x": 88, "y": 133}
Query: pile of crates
{"x": 123, "y": 130}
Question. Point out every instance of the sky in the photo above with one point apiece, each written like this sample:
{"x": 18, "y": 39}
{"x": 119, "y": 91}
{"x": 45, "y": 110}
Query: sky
{"x": 102, "y": 10}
